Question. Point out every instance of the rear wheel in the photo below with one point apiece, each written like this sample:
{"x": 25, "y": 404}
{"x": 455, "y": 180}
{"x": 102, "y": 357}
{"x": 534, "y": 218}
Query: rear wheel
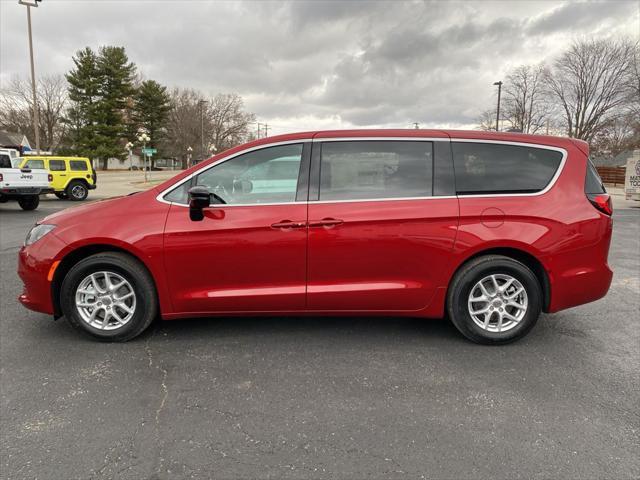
{"x": 61, "y": 195}
{"x": 29, "y": 202}
{"x": 109, "y": 296}
{"x": 77, "y": 191}
{"x": 494, "y": 300}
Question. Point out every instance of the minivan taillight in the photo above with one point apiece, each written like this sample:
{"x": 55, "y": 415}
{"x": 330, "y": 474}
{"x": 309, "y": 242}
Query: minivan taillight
{"x": 602, "y": 201}
{"x": 50, "y": 177}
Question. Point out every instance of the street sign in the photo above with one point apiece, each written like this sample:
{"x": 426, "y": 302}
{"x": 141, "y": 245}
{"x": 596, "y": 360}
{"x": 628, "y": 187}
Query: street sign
{"x": 149, "y": 151}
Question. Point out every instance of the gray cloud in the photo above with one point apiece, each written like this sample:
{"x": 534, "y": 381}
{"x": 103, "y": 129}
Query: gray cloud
{"x": 308, "y": 64}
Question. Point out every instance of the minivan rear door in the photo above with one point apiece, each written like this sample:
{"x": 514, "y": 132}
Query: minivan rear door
{"x": 382, "y": 223}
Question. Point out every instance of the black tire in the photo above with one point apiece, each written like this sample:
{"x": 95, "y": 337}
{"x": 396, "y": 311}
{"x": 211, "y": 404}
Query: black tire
{"x": 29, "y": 202}
{"x": 131, "y": 270}
{"x": 61, "y": 195}
{"x": 77, "y": 191}
{"x": 474, "y": 271}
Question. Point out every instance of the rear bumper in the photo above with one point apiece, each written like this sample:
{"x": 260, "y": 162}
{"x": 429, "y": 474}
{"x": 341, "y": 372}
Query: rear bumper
{"x": 579, "y": 286}
{"x": 16, "y": 192}
{"x": 582, "y": 275}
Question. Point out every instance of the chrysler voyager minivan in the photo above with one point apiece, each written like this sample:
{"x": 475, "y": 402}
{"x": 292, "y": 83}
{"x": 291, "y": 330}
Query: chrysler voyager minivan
{"x": 488, "y": 229}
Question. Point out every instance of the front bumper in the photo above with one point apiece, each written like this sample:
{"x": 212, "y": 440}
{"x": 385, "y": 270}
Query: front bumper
{"x": 34, "y": 264}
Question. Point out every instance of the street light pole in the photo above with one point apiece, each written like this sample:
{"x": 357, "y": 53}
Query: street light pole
{"x": 499, "y": 84}
{"x": 129, "y": 146}
{"x": 36, "y": 119}
{"x": 144, "y": 138}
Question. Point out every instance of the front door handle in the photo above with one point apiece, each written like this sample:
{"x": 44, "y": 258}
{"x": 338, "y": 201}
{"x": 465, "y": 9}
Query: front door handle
{"x": 326, "y": 222}
{"x": 288, "y": 224}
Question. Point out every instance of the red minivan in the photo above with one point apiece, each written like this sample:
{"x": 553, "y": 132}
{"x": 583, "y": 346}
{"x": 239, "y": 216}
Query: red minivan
{"x": 487, "y": 228}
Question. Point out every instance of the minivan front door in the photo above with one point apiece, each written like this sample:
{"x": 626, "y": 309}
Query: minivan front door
{"x": 249, "y": 254}
{"x": 378, "y": 237}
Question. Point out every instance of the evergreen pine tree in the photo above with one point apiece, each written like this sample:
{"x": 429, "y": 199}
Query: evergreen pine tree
{"x": 151, "y": 109}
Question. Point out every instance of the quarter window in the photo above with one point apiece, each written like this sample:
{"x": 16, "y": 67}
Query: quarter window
{"x": 57, "y": 165}
{"x": 362, "y": 170}
{"x": 482, "y": 168}
{"x": 78, "y": 165}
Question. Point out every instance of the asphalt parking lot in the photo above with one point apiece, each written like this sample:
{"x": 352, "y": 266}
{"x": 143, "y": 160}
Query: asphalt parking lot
{"x": 322, "y": 397}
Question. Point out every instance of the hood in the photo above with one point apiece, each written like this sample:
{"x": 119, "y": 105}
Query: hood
{"x": 89, "y": 211}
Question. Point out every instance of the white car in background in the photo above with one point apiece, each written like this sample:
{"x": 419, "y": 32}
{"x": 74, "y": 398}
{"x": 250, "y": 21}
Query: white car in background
{"x": 24, "y": 185}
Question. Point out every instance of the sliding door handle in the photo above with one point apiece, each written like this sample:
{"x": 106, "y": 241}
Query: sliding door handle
{"x": 326, "y": 222}
{"x": 285, "y": 224}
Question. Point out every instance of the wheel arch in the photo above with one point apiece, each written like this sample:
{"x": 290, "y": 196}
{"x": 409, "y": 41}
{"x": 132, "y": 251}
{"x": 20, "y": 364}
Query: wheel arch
{"x": 74, "y": 256}
{"x": 522, "y": 256}
{"x": 75, "y": 179}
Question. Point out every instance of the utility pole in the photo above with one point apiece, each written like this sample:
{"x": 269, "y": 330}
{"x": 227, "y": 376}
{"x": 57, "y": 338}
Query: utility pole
{"x": 266, "y": 130}
{"x": 201, "y": 103}
{"x": 36, "y": 119}
{"x": 258, "y": 135}
{"x": 499, "y": 84}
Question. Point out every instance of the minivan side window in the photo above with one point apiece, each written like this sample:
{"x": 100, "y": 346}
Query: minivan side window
{"x": 57, "y": 165}
{"x": 268, "y": 175}
{"x": 33, "y": 163}
{"x": 485, "y": 168}
{"x": 78, "y": 165}
{"x": 369, "y": 170}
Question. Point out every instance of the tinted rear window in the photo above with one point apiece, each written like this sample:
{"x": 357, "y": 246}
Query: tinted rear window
{"x": 483, "y": 168}
{"x": 78, "y": 165}
{"x": 592, "y": 182}
{"x": 57, "y": 165}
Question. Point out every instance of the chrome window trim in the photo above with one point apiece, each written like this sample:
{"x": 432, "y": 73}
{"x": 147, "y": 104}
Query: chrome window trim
{"x": 376, "y": 139}
{"x": 550, "y": 185}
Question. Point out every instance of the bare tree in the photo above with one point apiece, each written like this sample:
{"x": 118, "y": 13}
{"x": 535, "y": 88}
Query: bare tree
{"x": 526, "y": 106}
{"x": 197, "y": 122}
{"x": 588, "y": 81}
{"x": 487, "y": 120}
{"x": 16, "y": 108}
{"x": 228, "y": 120}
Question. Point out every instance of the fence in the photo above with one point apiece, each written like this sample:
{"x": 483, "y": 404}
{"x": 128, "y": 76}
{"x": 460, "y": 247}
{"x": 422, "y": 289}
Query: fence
{"x": 612, "y": 175}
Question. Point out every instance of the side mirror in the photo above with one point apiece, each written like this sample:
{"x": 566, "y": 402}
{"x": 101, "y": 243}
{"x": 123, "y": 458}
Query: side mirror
{"x": 199, "y": 199}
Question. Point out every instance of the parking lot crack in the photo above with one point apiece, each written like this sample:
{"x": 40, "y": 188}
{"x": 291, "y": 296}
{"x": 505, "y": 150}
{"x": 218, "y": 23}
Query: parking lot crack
{"x": 165, "y": 394}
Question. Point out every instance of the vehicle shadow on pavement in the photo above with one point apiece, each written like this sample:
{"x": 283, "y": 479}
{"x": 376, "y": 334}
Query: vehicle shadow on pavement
{"x": 383, "y": 327}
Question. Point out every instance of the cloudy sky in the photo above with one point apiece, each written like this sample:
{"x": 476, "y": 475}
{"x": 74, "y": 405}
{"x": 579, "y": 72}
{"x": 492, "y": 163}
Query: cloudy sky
{"x": 319, "y": 64}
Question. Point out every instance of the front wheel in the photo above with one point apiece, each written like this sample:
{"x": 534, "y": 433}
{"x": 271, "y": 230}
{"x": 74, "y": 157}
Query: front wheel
{"x": 110, "y": 296}
{"x": 77, "y": 191}
{"x": 29, "y": 202}
{"x": 494, "y": 300}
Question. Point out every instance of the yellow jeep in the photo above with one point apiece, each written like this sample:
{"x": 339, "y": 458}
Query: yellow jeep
{"x": 73, "y": 177}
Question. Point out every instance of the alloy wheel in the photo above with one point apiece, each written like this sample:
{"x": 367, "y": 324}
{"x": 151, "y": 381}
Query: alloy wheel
{"x": 105, "y": 300}
{"x": 497, "y": 303}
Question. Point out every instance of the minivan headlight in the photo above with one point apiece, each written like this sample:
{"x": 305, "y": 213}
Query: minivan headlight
{"x": 37, "y": 232}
